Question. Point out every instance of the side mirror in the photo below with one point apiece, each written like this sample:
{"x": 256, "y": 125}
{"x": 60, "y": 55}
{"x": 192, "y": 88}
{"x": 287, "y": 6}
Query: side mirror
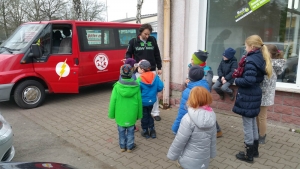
{"x": 35, "y": 51}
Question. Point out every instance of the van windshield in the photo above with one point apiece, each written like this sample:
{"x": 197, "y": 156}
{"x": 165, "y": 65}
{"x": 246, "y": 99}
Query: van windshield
{"x": 23, "y": 35}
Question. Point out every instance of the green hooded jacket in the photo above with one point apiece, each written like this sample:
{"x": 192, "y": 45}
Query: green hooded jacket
{"x": 126, "y": 103}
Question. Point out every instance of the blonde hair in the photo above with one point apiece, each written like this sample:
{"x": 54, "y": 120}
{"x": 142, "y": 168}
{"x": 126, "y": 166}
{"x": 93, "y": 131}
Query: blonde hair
{"x": 256, "y": 42}
{"x": 199, "y": 97}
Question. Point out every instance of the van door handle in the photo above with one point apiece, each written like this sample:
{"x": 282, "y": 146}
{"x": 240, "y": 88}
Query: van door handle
{"x": 76, "y": 61}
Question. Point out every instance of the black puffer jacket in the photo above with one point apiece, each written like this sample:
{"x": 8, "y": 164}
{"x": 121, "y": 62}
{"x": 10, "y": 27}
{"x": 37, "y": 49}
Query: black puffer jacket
{"x": 226, "y": 68}
{"x": 149, "y": 51}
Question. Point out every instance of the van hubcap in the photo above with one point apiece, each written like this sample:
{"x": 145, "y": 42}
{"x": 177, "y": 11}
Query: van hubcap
{"x": 31, "y": 95}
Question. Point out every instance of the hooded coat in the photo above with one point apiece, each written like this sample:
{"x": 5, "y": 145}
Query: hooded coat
{"x": 150, "y": 84}
{"x": 249, "y": 94}
{"x": 268, "y": 86}
{"x": 185, "y": 95}
{"x": 195, "y": 142}
{"x": 125, "y": 104}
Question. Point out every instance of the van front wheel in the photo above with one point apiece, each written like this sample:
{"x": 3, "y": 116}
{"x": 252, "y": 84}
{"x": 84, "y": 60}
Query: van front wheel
{"x": 29, "y": 94}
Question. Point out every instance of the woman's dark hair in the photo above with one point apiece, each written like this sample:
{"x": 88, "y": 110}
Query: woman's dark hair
{"x": 145, "y": 26}
{"x": 275, "y": 53}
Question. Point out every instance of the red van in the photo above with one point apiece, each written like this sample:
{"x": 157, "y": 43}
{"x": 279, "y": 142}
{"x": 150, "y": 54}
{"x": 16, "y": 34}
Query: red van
{"x": 60, "y": 56}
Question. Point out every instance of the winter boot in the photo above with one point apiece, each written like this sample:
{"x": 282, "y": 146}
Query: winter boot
{"x": 255, "y": 149}
{"x": 231, "y": 95}
{"x": 248, "y": 155}
{"x": 262, "y": 140}
{"x": 153, "y": 133}
{"x": 145, "y": 133}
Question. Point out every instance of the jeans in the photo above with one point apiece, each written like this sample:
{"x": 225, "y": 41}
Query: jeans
{"x": 250, "y": 130}
{"x": 147, "y": 120}
{"x": 221, "y": 88}
{"x": 126, "y": 137}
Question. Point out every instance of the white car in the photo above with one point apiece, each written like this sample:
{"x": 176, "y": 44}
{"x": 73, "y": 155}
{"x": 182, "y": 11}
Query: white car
{"x": 7, "y": 150}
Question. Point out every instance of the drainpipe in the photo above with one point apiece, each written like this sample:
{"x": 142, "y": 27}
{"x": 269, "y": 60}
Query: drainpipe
{"x": 166, "y": 55}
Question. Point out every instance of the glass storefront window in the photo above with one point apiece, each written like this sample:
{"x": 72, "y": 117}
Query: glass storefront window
{"x": 277, "y": 22}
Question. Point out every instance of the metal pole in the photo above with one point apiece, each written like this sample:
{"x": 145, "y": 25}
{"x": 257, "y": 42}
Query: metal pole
{"x": 106, "y": 12}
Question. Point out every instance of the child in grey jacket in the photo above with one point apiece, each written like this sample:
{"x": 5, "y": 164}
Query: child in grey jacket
{"x": 195, "y": 141}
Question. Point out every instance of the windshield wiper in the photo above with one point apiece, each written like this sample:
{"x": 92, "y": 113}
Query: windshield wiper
{"x": 7, "y": 49}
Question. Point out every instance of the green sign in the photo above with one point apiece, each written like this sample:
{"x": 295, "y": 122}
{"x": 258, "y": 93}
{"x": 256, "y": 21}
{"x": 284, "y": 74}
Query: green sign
{"x": 247, "y": 9}
{"x": 255, "y": 4}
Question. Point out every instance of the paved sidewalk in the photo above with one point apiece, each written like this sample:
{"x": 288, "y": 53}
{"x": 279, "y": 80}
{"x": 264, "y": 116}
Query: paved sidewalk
{"x": 82, "y": 121}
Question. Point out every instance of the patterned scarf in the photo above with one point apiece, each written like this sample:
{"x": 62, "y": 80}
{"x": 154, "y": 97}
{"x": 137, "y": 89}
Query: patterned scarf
{"x": 239, "y": 71}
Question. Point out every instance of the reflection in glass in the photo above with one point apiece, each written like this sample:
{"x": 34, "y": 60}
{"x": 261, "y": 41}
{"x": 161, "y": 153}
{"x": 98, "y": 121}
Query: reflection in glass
{"x": 277, "y": 22}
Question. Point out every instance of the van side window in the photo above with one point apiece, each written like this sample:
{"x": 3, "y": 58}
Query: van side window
{"x": 126, "y": 35}
{"x": 62, "y": 39}
{"x": 94, "y": 38}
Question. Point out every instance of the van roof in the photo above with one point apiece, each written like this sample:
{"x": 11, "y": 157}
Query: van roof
{"x": 88, "y": 23}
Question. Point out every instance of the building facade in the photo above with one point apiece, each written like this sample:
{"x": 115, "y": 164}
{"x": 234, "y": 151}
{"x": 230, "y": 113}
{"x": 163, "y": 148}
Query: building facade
{"x": 215, "y": 25}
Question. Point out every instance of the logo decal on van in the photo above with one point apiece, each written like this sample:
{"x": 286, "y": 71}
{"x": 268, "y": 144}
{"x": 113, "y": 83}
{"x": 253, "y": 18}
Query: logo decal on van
{"x": 62, "y": 69}
{"x": 101, "y": 61}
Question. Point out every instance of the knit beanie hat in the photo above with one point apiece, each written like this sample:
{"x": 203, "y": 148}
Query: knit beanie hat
{"x": 199, "y": 57}
{"x": 196, "y": 73}
{"x": 229, "y": 53}
{"x": 126, "y": 70}
{"x": 130, "y": 61}
{"x": 144, "y": 64}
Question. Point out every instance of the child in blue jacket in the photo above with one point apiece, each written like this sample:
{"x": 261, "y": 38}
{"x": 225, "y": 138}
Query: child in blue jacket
{"x": 196, "y": 74}
{"x": 150, "y": 85}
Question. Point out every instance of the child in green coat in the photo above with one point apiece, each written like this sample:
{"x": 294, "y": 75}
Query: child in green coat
{"x": 126, "y": 107}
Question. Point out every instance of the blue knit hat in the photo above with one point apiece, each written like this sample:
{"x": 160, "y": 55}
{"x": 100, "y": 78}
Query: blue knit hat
{"x": 229, "y": 53}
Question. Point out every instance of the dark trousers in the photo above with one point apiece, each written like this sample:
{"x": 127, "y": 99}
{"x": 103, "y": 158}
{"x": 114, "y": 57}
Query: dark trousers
{"x": 147, "y": 120}
{"x": 218, "y": 127}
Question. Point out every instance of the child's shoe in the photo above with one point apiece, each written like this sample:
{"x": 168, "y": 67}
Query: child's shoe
{"x": 219, "y": 134}
{"x": 145, "y": 133}
{"x": 123, "y": 149}
{"x": 130, "y": 150}
{"x": 231, "y": 95}
{"x": 153, "y": 133}
{"x": 136, "y": 129}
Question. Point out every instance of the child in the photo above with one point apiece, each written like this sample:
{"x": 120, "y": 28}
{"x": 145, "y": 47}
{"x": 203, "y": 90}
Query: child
{"x": 150, "y": 85}
{"x": 249, "y": 75}
{"x": 196, "y": 75}
{"x": 268, "y": 87}
{"x": 126, "y": 107}
{"x": 225, "y": 71}
{"x": 199, "y": 58}
{"x": 195, "y": 142}
{"x": 131, "y": 62}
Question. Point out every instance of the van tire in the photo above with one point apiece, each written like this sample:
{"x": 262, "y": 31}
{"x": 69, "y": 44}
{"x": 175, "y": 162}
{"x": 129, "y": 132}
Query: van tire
{"x": 29, "y": 94}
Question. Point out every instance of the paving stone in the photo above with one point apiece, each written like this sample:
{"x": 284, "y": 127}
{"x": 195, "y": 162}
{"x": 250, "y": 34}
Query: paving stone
{"x": 274, "y": 165}
{"x": 260, "y": 166}
{"x": 288, "y": 163}
{"x": 218, "y": 165}
{"x": 135, "y": 165}
{"x": 163, "y": 163}
{"x": 272, "y": 158}
{"x": 139, "y": 159}
{"x": 124, "y": 160}
{"x": 231, "y": 163}
{"x": 86, "y": 126}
